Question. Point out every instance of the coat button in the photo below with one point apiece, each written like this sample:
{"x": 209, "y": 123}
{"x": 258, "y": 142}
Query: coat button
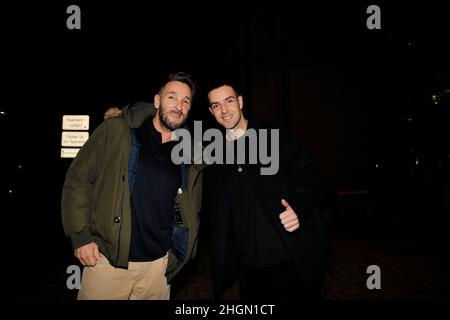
{"x": 117, "y": 219}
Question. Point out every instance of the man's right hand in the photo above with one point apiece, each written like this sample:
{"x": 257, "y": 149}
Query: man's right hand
{"x": 88, "y": 254}
{"x": 112, "y": 112}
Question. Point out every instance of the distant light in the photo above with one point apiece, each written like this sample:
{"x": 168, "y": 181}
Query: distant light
{"x": 376, "y": 165}
{"x": 409, "y": 119}
{"x": 435, "y": 98}
{"x": 3, "y": 113}
{"x": 10, "y": 191}
{"x": 417, "y": 161}
{"x": 409, "y": 44}
{"x": 19, "y": 167}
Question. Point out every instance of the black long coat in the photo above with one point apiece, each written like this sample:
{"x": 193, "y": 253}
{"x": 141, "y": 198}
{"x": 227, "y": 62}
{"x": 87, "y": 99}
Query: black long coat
{"x": 297, "y": 182}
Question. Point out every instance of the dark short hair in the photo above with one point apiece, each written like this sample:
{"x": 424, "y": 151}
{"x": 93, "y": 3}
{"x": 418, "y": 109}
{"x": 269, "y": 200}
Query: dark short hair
{"x": 181, "y": 77}
{"x": 221, "y": 80}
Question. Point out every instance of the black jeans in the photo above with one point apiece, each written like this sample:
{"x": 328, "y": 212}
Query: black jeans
{"x": 277, "y": 282}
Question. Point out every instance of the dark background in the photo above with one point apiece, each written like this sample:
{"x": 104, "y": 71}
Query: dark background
{"x": 361, "y": 100}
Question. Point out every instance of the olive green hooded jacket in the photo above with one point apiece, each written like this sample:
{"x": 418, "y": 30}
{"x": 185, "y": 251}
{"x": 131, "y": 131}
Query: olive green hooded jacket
{"x": 96, "y": 197}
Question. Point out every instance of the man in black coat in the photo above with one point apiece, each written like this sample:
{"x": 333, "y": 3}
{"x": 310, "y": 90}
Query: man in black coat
{"x": 265, "y": 228}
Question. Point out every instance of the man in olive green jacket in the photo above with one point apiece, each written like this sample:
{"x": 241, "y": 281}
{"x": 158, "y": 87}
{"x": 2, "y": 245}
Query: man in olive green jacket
{"x": 97, "y": 211}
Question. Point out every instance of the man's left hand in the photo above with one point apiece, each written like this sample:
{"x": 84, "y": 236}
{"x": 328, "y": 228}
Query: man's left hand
{"x": 288, "y": 217}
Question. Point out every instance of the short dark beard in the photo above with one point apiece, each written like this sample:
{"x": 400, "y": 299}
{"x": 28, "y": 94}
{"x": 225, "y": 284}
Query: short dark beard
{"x": 164, "y": 119}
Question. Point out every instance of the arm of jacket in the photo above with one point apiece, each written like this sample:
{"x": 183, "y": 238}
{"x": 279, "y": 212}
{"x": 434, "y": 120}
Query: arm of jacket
{"x": 78, "y": 188}
{"x": 136, "y": 114}
{"x": 303, "y": 180}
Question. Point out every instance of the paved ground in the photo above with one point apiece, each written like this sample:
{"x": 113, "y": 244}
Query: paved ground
{"x": 412, "y": 256}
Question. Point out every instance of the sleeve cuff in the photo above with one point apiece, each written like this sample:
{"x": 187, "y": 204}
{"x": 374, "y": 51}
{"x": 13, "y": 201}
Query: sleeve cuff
{"x": 82, "y": 238}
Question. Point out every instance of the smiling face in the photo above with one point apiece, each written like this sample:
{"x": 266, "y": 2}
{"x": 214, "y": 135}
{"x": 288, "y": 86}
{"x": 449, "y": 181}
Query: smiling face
{"x": 173, "y": 103}
{"x": 226, "y": 107}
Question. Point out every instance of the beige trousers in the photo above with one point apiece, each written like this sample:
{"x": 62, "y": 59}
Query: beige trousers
{"x": 141, "y": 281}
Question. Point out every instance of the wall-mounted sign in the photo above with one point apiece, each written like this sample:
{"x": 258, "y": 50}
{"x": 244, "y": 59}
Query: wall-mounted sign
{"x": 74, "y": 138}
{"x": 69, "y": 152}
{"x": 75, "y": 122}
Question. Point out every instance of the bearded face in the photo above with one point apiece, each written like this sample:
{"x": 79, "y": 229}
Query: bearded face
{"x": 174, "y": 103}
{"x": 171, "y": 118}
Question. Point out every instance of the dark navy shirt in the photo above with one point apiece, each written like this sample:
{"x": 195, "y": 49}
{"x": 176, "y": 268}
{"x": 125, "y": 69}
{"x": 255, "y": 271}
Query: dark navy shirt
{"x": 152, "y": 198}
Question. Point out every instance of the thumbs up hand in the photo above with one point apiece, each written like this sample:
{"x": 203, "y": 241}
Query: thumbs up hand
{"x": 288, "y": 217}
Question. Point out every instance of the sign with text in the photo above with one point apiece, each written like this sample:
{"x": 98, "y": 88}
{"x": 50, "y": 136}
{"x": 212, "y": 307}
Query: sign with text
{"x": 75, "y": 122}
{"x": 74, "y": 138}
{"x": 69, "y": 152}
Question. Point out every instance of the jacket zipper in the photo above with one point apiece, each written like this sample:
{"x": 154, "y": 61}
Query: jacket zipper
{"x": 120, "y": 222}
